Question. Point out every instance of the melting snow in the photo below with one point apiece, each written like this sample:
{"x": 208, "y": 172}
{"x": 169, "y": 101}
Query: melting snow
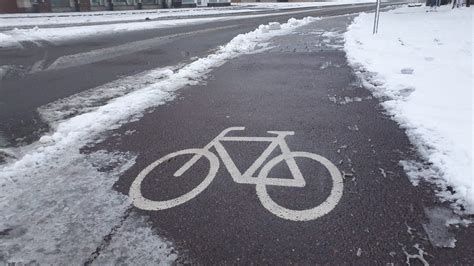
{"x": 58, "y": 204}
{"x": 422, "y": 63}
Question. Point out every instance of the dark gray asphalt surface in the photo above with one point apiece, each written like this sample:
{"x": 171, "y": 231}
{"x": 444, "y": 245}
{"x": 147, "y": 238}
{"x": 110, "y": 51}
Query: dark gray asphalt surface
{"x": 300, "y": 85}
{"x": 291, "y": 87}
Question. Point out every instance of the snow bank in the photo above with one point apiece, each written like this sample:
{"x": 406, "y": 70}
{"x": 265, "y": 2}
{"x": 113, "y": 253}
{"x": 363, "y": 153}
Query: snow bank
{"x": 76, "y": 18}
{"x": 291, "y": 5}
{"x": 59, "y": 33}
{"x": 57, "y": 203}
{"x": 423, "y": 64}
{"x": 13, "y": 37}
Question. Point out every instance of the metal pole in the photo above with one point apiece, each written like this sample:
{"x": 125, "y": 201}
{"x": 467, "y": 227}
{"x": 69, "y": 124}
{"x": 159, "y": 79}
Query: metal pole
{"x": 376, "y": 18}
{"x": 378, "y": 15}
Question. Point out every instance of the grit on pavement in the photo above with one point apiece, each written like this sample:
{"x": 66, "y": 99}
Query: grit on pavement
{"x": 302, "y": 84}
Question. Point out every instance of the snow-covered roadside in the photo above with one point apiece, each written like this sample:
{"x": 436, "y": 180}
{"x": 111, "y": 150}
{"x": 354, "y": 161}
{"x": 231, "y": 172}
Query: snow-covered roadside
{"x": 56, "y": 202}
{"x": 290, "y": 5}
{"x": 420, "y": 65}
{"x": 58, "y": 35}
{"x": 72, "y": 18}
{"x": 12, "y": 38}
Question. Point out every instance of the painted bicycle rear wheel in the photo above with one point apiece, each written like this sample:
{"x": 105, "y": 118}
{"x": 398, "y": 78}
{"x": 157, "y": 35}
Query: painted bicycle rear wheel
{"x": 301, "y": 215}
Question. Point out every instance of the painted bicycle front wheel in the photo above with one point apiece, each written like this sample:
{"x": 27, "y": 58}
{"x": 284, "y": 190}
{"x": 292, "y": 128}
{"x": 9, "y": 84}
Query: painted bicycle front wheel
{"x": 143, "y": 203}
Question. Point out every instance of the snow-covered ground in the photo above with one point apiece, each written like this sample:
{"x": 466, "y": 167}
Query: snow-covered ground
{"x": 13, "y": 38}
{"x": 56, "y": 35}
{"x": 57, "y": 27}
{"x": 291, "y": 5}
{"x": 421, "y": 65}
{"x": 56, "y": 202}
{"x": 72, "y": 18}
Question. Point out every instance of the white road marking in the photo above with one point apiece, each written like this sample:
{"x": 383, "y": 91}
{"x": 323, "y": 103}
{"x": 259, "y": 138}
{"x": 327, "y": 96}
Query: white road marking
{"x": 261, "y": 181}
{"x": 302, "y": 215}
{"x": 146, "y": 204}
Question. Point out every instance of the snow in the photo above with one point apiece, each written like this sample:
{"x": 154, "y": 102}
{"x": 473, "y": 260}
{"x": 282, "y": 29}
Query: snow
{"x": 6, "y": 40}
{"x": 76, "y": 18}
{"x": 437, "y": 229}
{"x": 274, "y": 26}
{"x": 57, "y": 203}
{"x": 33, "y": 24}
{"x": 4, "y": 71}
{"x": 46, "y": 140}
{"x": 58, "y": 35}
{"x": 72, "y": 18}
{"x": 420, "y": 65}
{"x": 61, "y": 34}
{"x": 292, "y": 5}
{"x": 89, "y": 100}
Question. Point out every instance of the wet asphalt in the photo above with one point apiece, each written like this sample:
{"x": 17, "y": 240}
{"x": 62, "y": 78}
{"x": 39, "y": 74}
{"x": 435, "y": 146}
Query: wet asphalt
{"x": 303, "y": 84}
{"x": 29, "y": 85}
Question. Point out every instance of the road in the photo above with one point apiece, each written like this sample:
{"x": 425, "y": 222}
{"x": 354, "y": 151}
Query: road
{"x": 301, "y": 83}
{"x": 30, "y": 86}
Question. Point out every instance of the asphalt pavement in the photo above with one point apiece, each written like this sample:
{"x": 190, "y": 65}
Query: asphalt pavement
{"x": 302, "y": 84}
{"x": 30, "y": 83}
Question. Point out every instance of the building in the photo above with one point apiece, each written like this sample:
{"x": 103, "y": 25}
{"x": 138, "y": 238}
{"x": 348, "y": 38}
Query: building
{"x": 198, "y": 3}
{"x": 14, "y": 6}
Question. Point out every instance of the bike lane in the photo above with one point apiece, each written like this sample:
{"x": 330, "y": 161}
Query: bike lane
{"x": 303, "y": 84}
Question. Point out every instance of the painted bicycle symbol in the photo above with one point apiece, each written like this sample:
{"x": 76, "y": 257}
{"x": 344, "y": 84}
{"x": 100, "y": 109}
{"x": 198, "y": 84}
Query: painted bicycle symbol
{"x": 261, "y": 181}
